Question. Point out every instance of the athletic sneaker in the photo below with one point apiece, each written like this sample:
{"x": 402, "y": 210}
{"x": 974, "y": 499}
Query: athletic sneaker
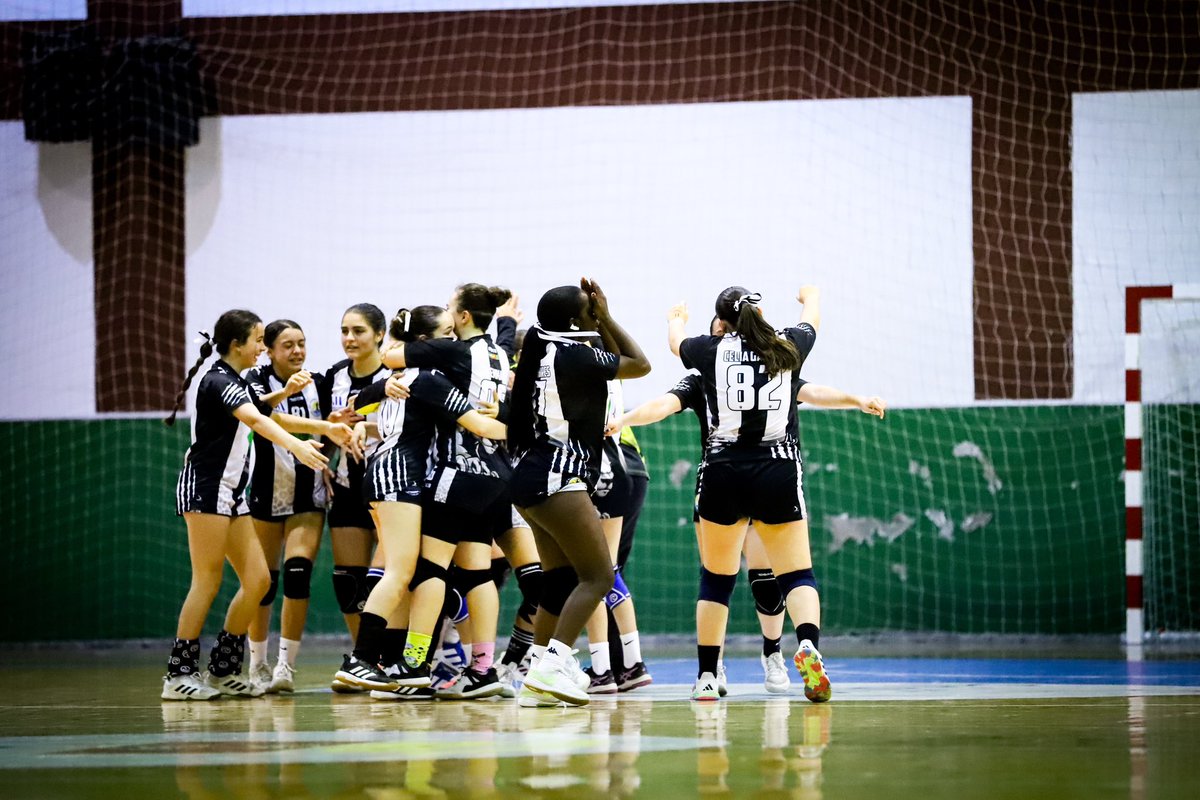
{"x": 582, "y": 679}
{"x": 600, "y": 684}
{"x": 706, "y": 687}
{"x": 234, "y": 685}
{"x": 812, "y": 670}
{"x": 443, "y": 675}
{"x": 472, "y": 685}
{"x": 260, "y": 675}
{"x": 634, "y": 677}
{"x": 341, "y": 687}
{"x": 528, "y": 698}
{"x": 722, "y": 679}
{"x": 403, "y": 693}
{"x": 775, "y": 674}
{"x": 558, "y": 678}
{"x": 510, "y": 677}
{"x": 187, "y": 687}
{"x": 401, "y": 674}
{"x": 364, "y": 675}
{"x": 283, "y": 679}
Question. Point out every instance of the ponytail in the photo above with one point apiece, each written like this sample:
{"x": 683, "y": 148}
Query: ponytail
{"x": 206, "y": 350}
{"x": 520, "y": 416}
{"x": 739, "y": 308}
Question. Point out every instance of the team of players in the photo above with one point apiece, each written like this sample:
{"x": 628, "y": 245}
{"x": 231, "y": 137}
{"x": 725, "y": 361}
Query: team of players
{"x": 433, "y": 440}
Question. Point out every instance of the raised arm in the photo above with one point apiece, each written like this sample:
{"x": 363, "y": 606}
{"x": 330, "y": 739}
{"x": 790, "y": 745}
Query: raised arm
{"x": 634, "y": 363}
{"x": 829, "y": 397}
{"x": 810, "y": 297}
{"x": 677, "y": 319}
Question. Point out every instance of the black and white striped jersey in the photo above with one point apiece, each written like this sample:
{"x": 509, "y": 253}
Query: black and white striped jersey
{"x": 751, "y": 414}
{"x": 279, "y": 484}
{"x": 337, "y": 391}
{"x": 479, "y": 369}
{"x": 690, "y": 391}
{"x": 569, "y": 403}
{"x": 408, "y": 426}
{"x": 220, "y": 448}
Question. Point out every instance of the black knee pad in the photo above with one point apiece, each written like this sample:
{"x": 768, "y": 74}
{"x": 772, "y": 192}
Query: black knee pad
{"x": 795, "y": 578}
{"x": 468, "y": 579}
{"x": 269, "y": 597}
{"x": 716, "y": 588}
{"x": 426, "y": 570}
{"x": 557, "y": 587}
{"x": 348, "y": 585}
{"x": 454, "y": 605}
{"x": 767, "y": 597}
{"x": 531, "y": 581}
{"x": 499, "y": 571}
{"x": 297, "y": 578}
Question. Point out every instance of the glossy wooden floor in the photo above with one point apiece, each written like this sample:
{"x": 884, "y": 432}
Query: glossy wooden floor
{"x": 90, "y": 725}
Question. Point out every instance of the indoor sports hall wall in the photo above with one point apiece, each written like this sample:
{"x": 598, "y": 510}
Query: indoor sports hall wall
{"x": 971, "y": 207}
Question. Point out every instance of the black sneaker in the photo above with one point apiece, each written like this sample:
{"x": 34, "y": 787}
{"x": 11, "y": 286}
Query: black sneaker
{"x": 603, "y": 683}
{"x": 364, "y": 675}
{"x": 472, "y": 685}
{"x": 634, "y": 677}
{"x": 401, "y": 674}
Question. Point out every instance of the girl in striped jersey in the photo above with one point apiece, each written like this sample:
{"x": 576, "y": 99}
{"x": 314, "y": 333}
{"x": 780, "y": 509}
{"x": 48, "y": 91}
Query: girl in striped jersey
{"x": 211, "y": 497}
{"x": 688, "y": 394}
{"x": 351, "y": 528}
{"x": 287, "y": 503}
{"x": 752, "y": 471}
{"x": 394, "y": 485}
{"x": 557, "y": 423}
{"x": 469, "y": 505}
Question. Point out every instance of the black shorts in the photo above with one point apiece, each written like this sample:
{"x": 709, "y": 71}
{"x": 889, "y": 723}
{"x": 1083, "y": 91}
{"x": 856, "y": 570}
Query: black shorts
{"x": 767, "y": 490}
{"x": 455, "y": 524}
{"x": 210, "y": 494}
{"x": 391, "y": 478}
{"x": 613, "y": 487}
{"x": 349, "y": 509}
{"x": 534, "y": 482}
{"x": 264, "y": 507}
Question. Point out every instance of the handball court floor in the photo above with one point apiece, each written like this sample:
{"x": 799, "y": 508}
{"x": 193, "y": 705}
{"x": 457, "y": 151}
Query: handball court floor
{"x": 88, "y": 724}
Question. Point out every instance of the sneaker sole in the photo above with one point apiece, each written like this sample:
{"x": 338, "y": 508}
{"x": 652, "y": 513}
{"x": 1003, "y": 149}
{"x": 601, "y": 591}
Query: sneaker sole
{"x": 346, "y": 677}
{"x": 816, "y": 682}
{"x": 557, "y": 694}
{"x": 279, "y": 688}
{"x": 341, "y": 687}
{"x": 645, "y": 680}
{"x": 608, "y": 688}
{"x": 537, "y": 702}
{"x": 176, "y": 696}
{"x": 404, "y": 695}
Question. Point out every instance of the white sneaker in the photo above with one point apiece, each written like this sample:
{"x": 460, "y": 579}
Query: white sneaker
{"x": 510, "y": 678}
{"x": 528, "y": 698}
{"x": 187, "y": 687}
{"x": 260, "y": 675}
{"x": 706, "y": 687}
{"x": 775, "y": 672}
{"x": 283, "y": 679}
{"x": 558, "y": 678}
{"x": 722, "y": 679}
{"x": 234, "y": 685}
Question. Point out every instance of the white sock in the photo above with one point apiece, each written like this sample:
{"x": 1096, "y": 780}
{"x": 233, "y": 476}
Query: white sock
{"x": 631, "y": 648}
{"x": 556, "y": 652}
{"x": 258, "y": 653}
{"x": 536, "y": 651}
{"x": 601, "y": 663}
{"x": 288, "y": 650}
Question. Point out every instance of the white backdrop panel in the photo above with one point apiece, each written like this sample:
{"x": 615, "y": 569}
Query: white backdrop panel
{"x": 304, "y": 215}
{"x": 1136, "y": 162}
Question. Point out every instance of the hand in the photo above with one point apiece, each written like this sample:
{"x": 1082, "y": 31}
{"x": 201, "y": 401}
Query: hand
{"x": 327, "y": 479}
{"x": 678, "y": 311}
{"x": 489, "y": 408}
{"x": 598, "y": 299}
{"x": 872, "y": 405}
{"x": 613, "y": 427}
{"x": 297, "y": 382}
{"x": 395, "y": 389}
{"x": 345, "y": 415}
{"x": 342, "y": 435}
{"x": 509, "y": 309}
{"x": 308, "y": 453}
{"x": 360, "y": 438}
{"x": 806, "y": 294}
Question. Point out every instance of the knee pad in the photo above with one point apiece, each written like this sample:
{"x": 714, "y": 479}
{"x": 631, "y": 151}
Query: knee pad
{"x": 269, "y": 597}
{"x": 348, "y": 583}
{"x": 454, "y": 605}
{"x": 794, "y": 579}
{"x": 297, "y": 578}
{"x": 426, "y": 570}
{"x": 468, "y": 579}
{"x": 531, "y": 580}
{"x": 619, "y": 592}
{"x": 500, "y": 571}
{"x": 767, "y": 597}
{"x": 558, "y": 585}
{"x": 716, "y": 588}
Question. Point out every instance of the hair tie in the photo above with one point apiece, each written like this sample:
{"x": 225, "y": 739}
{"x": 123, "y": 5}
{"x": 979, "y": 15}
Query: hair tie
{"x": 751, "y": 299}
{"x": 205, "y": 337}
{"x": 407, "y": 317}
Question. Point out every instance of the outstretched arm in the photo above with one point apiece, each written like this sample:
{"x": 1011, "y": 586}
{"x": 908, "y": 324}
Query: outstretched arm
{"x": 648, "y": 413}
{"x": 306, "y": 450}
{"x": 829, "y": 397}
